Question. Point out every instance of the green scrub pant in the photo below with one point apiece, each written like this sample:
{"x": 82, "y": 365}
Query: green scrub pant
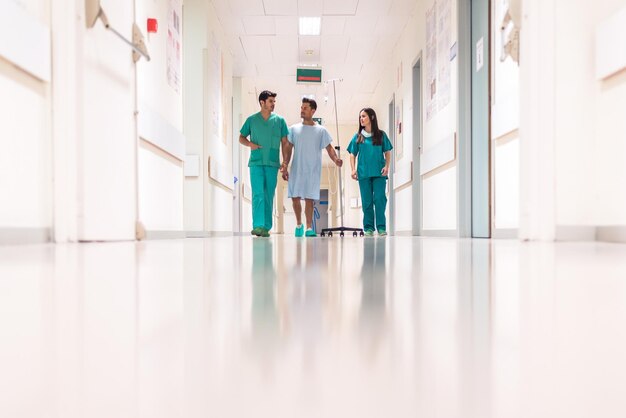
{"x": 373, "y": 199}
{"x": 263, "y": 180}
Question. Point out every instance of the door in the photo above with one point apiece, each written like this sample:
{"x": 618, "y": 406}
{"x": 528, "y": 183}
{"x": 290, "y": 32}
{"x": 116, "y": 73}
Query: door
{"x": 416, "y": 197}
{"x": 481, "y": 157}
{"x": 391, "y": 225}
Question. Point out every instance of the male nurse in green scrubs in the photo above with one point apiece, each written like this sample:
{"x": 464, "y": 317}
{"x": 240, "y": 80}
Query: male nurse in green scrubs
{"x": 266, "y": 132}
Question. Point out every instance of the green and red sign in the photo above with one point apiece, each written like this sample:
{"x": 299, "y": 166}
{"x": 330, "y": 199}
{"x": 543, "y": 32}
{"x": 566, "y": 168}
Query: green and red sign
{"x": 309, "y": 75}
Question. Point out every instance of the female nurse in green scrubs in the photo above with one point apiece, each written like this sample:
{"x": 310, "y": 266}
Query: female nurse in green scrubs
{"x": 372, "y": 148}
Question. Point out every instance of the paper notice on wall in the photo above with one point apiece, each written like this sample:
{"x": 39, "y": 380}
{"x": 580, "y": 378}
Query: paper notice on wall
{"x": 431, "y": 62}
{"x": 174, "y": 47}
{"x": 480, "y": 53}
{"x": 444, "y": 34}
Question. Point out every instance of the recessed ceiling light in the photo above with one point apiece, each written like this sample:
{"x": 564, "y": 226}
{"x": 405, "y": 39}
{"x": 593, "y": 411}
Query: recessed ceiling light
{"x": 309, "y": 52}
{"x": 310, "y": 25}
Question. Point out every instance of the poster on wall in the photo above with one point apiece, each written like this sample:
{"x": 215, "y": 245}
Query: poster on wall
{"x": 174, "y": 47}
{"x": 215, "y": 89}
{"x": 444, "y": 31}
{"x": 431, "y": 62}
{"x": 399, "y": 146}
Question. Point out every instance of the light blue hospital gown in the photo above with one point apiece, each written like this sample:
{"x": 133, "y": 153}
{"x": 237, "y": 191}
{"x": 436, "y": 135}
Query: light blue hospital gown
{"x": 306, "y": 168}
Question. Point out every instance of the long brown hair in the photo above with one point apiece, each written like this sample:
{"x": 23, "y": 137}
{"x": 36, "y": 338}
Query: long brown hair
{"x": 377, "y": 134}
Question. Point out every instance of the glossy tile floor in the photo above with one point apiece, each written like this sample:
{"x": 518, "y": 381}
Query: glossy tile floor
{"x": 326, "y": 327}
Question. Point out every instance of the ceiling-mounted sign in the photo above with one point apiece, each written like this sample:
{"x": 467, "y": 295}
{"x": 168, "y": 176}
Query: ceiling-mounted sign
{"x": 309, "y": 75}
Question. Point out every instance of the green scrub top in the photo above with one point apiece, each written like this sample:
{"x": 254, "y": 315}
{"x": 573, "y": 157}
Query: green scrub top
{"x": 371, "y": 158}
{"x": 268, "y": 134}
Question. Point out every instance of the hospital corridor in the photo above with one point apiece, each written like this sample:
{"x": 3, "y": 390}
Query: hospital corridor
{"x": 312, "y": 208}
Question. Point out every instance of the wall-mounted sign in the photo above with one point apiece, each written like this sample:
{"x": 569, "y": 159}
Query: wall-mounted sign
{"x": 309, "y": 75}
{"x": 318, "y": 120}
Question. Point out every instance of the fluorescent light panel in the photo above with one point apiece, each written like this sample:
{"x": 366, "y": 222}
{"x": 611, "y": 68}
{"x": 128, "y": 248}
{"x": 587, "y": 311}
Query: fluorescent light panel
{"x": 310, "y": 25}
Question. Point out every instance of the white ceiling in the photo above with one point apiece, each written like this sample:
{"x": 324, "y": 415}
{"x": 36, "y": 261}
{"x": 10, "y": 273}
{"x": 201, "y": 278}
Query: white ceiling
{"x": 356, "y": 43}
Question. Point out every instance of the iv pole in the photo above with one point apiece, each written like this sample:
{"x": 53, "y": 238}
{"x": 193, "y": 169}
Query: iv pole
{"x": 341, "y": 229}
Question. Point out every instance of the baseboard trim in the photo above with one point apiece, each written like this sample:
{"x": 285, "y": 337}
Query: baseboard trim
{"x": 150, "y": 235}
{"x": 210, "y": 234}
{"x": 505, "y": 233}
{"x": 21, "y": 236}
{"x": 611, "y": 234}
{"x": 575, "y": 233}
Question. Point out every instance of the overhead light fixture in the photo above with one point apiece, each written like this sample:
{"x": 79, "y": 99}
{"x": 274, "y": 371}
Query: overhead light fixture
{"x": 310, "y": 25}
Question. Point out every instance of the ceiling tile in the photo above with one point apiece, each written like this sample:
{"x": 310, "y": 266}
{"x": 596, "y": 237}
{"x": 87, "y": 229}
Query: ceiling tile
{"x": 257, "y": 49}
{"x": 284, "y": 48}
{"x": 361, "y": 48}
{"x": 286, "y": 25}
{"x": 390, "y": 27}
{"x": 247, "y": 7}
{"x": 403, "y": 8}
{"x": 340, "y": 7}
{"x": 373, "y": 8}
{"x": 259, "y": 25}
{"x": 334, "y": 48}
{"x": 360, "y": 25}
{"x": 231, "y": 25}
{"x": 310, "y": 7}
{"x": 342, "y": 70}
{"x": 312, "y": 43}
{"x": 280, "y": 7}
{"x": 333, "y": 25}
{"x": 384, "y": 49}
{"x": 280, "y": 69}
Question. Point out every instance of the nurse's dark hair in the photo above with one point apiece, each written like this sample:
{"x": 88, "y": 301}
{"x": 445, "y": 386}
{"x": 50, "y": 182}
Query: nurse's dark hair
{"x": 377, "y": 134}
{"x": 311, "y": 102}
{"x": 265, "y": 94}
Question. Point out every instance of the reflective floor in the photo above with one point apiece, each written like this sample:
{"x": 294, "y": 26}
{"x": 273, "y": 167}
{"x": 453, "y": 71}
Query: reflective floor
{"x": 325, "y": 327}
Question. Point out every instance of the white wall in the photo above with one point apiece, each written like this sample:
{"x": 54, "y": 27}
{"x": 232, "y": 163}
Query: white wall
{"x": 504, "y": 130}
{"x": 207, "y": 121}
{"x": 25, "y": 139}
{"x": 590, "y": 126}
{"x": 160, "y": 181}
{"x": 440, "y": 202}
{"x": 107, "y": 146}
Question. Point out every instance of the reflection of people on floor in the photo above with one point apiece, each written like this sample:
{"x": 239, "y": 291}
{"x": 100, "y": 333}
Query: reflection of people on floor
{"x": 306, "y": 295}
{"x": 372, "y": 315}
{"x": 265, "y": 322}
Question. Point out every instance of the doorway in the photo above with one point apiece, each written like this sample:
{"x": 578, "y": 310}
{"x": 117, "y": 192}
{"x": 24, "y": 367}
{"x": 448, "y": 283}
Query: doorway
{"x": 416, "y": 198}
{"x": 391, "y": 224}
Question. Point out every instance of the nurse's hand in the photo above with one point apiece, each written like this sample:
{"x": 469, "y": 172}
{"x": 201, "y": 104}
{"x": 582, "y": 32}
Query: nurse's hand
{"x": 286, "y": 175}
{"x": 338, "y": 162}
{"x": 354, "y": 175}
{"x": 384, "y": 171}
{"x": 254, "y": 146}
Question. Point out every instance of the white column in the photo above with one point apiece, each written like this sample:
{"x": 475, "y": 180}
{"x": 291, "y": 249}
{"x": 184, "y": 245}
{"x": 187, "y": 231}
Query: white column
{"x": 64, "y": 119}
{"x": 537, "y": 125}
